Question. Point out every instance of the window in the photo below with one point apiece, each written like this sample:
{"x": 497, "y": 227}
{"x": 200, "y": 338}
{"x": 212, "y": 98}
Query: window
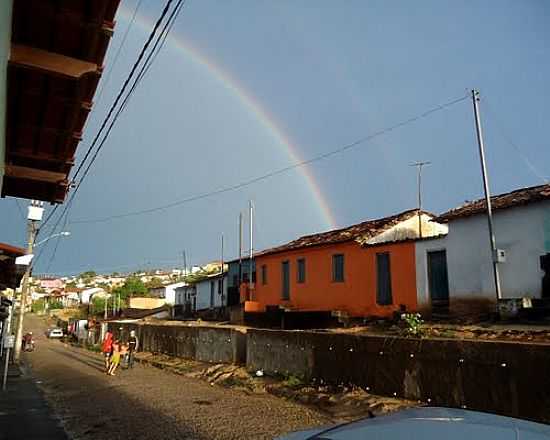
{"x": 285, "y": 272}
{"x": 338, "y": 268}
{"x": 383, "y": 279}
{"x": 264, "y": 274}
{"x": 301, "y": 273}
{"x": 220, "y": 286}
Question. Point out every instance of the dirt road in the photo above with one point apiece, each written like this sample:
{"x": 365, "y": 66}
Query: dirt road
{"x": 147, "y": 403}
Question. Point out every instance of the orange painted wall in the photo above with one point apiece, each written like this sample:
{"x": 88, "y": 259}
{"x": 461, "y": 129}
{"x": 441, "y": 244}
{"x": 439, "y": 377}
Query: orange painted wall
{"x": 356, "y": 295}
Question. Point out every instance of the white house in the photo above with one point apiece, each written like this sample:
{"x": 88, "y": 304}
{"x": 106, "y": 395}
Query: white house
{"x": 87, "y": 294}
{"x": 458, "y": 269}
{"x": 211, "y": 292}
{"x": 170, "y": 292}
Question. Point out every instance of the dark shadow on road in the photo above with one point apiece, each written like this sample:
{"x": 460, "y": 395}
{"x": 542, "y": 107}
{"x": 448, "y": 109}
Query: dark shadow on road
{"x": 94, "y": 363}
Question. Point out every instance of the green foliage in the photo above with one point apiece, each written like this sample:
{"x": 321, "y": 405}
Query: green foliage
{"x": 154, "y": 283}
{"x": 293, "y": 382}
{"x": 413, "y": 323}
{"x": 70, "y": 285}
{"x": 97, "y": 305}
{"x": 88, "y": 274}
{"x": 133, "y": 286}
{"x": 55, "y": 305}
{"x": 38, "y": 305}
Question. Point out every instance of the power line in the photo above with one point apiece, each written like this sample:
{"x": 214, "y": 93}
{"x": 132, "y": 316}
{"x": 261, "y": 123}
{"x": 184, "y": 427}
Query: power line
{"x": 503, "y": 134}
{"x": 161, "y": 38}
{"x": 117, "y": 99}
{"x": 125, "y": 85}
{"x": 266, "y": 176}
{"x": 115, "y": 59}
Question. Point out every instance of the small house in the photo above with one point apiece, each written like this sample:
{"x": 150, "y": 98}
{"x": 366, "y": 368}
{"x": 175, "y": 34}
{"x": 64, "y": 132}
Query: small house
{"x": 367, "y": 269}
{"x": 455, "y": 273}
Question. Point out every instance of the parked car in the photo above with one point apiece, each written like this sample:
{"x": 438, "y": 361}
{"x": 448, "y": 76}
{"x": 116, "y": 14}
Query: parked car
{"x": 430, "y": 423}
{"x": 55, "y": 333}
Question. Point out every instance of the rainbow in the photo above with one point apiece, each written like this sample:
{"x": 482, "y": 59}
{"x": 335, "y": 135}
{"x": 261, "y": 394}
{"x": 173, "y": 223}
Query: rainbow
{"x": 264, "y": 118}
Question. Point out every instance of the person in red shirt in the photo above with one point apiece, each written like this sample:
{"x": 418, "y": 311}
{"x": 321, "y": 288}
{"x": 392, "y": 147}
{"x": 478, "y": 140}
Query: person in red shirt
{"x": 107, "y": 349}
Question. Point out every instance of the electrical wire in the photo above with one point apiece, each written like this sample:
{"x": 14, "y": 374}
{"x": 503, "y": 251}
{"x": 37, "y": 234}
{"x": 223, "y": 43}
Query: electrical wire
{"x": 117, "y": 99}
{"x": 520, "y": 153}
{"x": 266, "y": 176}
{"x": 159, "y": 43}
{"x": 115, "y": 59}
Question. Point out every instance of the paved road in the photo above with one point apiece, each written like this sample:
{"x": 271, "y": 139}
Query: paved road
{"x": 147, "y": 403}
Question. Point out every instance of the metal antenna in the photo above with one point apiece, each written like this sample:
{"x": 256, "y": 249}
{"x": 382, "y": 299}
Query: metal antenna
{"x": 419, "y": 166}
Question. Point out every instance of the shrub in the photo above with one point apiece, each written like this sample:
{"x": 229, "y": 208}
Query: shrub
{"x": 414, "y": 323}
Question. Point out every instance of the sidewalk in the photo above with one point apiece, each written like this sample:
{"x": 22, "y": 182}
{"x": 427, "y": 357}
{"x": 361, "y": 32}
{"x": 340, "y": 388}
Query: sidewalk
{"x": 24, "y": 414}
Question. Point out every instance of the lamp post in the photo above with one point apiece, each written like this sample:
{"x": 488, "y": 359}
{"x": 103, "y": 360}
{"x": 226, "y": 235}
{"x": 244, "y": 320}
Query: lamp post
{"x": 35, "y": 212}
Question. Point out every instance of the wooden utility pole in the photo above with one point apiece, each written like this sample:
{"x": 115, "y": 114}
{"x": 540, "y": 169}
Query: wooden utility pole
{"x": 492, "y": 239}
{"x": 419, "y": 166}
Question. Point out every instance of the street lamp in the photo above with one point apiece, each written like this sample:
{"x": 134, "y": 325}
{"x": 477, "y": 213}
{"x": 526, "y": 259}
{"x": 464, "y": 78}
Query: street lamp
{"x": 59, "y": 234}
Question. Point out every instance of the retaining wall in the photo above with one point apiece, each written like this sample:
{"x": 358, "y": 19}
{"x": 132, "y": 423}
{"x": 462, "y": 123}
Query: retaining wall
{"x": 503, "y": 377}
{"x": 207, "y": 344}
{"x": 506, "y": 378}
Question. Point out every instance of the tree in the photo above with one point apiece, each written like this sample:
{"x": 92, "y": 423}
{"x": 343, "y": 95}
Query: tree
{"x": 154, "y": 283}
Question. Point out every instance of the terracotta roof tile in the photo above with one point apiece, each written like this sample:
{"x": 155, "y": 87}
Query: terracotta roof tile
{"x": 518, "y": 197}
{"x": 364, "y": 230}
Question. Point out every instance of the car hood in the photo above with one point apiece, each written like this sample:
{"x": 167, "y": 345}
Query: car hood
{"x": 431, "y": 423}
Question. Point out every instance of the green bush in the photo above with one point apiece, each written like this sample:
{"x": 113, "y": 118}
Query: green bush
{"x": 55, "y": 305}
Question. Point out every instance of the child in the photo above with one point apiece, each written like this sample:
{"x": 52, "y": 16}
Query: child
{"x": 115, "y": 358}
{"x": 124, "y": 356}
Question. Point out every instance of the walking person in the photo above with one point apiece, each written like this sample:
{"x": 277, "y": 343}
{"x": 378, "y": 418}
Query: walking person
{"x": 107, "y": 349}
{"x": 115, "y": 358}
{"x": 133, "y": 346}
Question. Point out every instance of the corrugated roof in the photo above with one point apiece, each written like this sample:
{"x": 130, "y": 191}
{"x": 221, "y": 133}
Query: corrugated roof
{"x": 519, "y": 197}
{"x": 364, "y": 230}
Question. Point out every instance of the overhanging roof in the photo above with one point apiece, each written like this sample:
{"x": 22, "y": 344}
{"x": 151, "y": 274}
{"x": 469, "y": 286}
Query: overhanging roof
{"x": 518, "y": 197}
{"x": 56, "y": 61}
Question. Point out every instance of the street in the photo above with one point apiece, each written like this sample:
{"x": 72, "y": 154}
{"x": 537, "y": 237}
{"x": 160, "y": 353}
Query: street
{"x": 148, "y": 403}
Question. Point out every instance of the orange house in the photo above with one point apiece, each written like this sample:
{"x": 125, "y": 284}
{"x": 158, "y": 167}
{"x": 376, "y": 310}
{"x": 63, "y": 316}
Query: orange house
{"x": 367, "y": 269}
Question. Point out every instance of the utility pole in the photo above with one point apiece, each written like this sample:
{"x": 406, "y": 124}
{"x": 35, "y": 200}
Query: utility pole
{"x": 492, "y": 239}
{"x": 5, "y": 334}
{"x": 240, "y": 249}
{"x": 419, "y": 166}
{"x": 250, "y": 261}
{"x": 184, "y": 264}
{"x": 34, "y": 215}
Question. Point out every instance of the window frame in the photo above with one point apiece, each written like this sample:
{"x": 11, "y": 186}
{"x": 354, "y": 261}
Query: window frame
{"x": 334, "y": 271}
{"x": 264, "y": 274}
{"x": 285, "y": 296}
{"x": 378, "y": 280}
{"x": 301, "y": 262}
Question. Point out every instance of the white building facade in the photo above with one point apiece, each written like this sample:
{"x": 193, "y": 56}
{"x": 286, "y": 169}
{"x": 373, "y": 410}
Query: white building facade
{"x": 211, "y": 292}
{"x": 522, "y": 230}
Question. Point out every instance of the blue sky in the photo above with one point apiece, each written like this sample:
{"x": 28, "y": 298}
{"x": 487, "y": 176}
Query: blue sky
{"x": 329, "y": 73}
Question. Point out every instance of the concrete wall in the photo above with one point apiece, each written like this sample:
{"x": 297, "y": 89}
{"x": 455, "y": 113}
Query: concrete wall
{"x": 503, "y": 377}
{"x": 206, "y": 344}
{"x": 520, "y": 232}
{"x": 146, "y": 303}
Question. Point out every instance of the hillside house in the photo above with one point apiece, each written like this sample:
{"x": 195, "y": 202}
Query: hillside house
{"x": 367, "y": 269}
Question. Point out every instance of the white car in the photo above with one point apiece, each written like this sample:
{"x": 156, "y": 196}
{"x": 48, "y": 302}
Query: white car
{"x": 55, "y": 333}
{"x": 430, "y": 423}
